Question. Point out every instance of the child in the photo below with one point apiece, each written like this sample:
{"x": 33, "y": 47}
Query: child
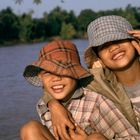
{"x": 113, "y": 59}
{"x": 59, "y": 72}
{"x": 113, "y": 56}
{"x": 112, "y": 47}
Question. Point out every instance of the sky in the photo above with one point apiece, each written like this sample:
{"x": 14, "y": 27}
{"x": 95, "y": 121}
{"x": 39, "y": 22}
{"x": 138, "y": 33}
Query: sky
{"x": 75, "y": 5}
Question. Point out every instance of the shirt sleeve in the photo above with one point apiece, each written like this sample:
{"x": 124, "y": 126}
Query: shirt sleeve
{"x": 42, "y": 108}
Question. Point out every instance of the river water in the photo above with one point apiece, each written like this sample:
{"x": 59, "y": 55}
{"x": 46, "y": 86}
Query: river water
{"x": 17, "y": 97}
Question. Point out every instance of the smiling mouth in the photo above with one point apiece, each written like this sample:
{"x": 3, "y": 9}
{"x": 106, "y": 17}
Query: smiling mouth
{"x": 58, "y": 88}
{"x": 118, "y": 56}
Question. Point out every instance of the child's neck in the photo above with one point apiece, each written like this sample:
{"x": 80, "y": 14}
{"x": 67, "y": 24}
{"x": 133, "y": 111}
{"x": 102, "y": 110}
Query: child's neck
{"x": 130, "y": 76}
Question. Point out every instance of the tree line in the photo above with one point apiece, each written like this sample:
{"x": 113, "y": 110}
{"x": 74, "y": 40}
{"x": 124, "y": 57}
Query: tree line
{"x": 24, "y": 28}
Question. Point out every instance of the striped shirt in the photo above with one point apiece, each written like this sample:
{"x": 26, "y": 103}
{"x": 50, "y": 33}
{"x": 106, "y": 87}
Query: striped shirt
{"x": 94, "y": 112}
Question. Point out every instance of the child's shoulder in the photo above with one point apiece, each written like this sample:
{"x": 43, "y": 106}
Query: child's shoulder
{"x": 92, "y": 94}
{"x": 96, "y": 98}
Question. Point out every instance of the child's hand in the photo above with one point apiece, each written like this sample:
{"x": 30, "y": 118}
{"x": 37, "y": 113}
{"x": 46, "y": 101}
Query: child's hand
{"x": 98, "y": 68}
{"x": 78, "y": 134}
{"x": 135, "y": 33}
{"x": 61, "y": 120}
{"x": 98, "y": 64}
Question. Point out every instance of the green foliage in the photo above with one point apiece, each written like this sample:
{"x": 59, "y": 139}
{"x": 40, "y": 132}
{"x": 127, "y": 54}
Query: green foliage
{"x": 38, "y": 29}
{"x": 67, "y": 31}
{"x": 130, "y": 13}
{"x": 26, "y": 23}
{"x": 85, "y": 17}
{"x": 55, "y": 19}
{"x": 9, "y": 25}
{"x": 59, "y": 22}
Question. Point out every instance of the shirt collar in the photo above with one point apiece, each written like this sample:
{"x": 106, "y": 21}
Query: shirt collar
{"x": 77, "y": 94}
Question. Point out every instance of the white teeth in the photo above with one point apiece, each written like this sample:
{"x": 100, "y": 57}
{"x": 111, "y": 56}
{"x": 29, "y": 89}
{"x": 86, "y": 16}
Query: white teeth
{"x": 58, "y": 87}
{"x": 118, "y": 55}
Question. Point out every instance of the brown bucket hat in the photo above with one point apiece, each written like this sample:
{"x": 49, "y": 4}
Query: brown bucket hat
{"x": 58, "y": 57}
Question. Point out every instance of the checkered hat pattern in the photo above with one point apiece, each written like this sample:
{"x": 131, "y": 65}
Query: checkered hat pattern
{"x": 108, "y": 28}
{"x": 105, "y": 29}
{"x": 58, "y": 57}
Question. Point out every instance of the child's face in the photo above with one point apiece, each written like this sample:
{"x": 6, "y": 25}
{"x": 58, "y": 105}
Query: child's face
{"x": 117, "y": 55}
{"x": 60, "y": 87}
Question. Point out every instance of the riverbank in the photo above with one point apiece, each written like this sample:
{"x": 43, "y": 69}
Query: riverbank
{"x": 22, "y": 42}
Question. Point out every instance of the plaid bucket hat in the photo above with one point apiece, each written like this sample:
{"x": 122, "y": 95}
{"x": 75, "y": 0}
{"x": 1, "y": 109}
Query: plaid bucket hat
{"x": 105, "y": 29}
{"x": 57, "y": 57}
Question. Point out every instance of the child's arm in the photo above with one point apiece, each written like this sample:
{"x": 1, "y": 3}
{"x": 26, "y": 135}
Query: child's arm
{"x": 61, "y": 118}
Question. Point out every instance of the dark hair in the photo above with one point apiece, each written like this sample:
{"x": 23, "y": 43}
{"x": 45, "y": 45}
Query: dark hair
{"x": 95, "y": 49}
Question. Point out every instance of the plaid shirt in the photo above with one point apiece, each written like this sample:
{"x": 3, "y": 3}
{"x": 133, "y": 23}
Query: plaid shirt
{"x": 94, "y": 112}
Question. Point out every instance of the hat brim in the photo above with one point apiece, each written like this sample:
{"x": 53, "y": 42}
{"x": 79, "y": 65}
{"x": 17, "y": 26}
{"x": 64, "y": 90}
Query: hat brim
{"x": 111, "y": 37}
{"x": 31, "y": 73}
